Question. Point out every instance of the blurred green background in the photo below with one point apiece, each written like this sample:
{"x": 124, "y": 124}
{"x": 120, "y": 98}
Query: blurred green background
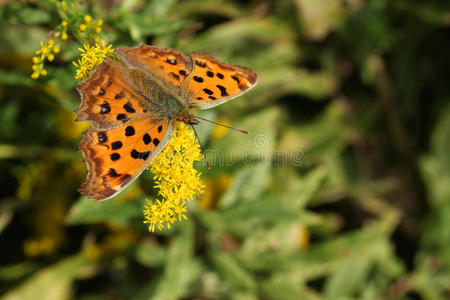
{"x": 340, "y": 191}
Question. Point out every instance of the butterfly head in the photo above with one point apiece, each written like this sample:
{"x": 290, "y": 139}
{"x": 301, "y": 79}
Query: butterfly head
{"x": 187, "y": 118}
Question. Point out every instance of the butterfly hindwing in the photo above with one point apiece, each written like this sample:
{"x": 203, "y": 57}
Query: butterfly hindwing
{"x": 106, "y": 98}
{"x": 213, "y": 82}
{"x": 117, "y": 156}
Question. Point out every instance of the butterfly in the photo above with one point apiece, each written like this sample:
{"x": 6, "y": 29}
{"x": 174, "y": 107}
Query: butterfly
{"x": 133, "y": 105}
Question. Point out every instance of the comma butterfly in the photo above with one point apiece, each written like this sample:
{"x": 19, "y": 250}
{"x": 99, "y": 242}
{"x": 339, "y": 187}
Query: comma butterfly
{"x": 133, "y": 105}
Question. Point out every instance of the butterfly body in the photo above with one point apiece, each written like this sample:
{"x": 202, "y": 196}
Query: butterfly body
{"x": 133, "y": 105}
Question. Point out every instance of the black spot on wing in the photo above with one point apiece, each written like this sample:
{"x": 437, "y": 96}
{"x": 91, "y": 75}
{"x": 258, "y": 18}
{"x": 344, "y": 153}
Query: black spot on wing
{"x": 160, "y": 128}
{"x": 210, "y": 74}
{"x": 142, "y": 155}
{"x": 145, "y": 155}
{"x": 115, "y": 156}
{"x": 235, "y": 79}
{"x": 129, "y": 131}
{"x": 198, "y": 79}
{"x": 116, "y": 145}
{"x": 155, "y": 142}
{"x": 101, "y": 92}
{"x": 113, "y": 173}
{"x": 147, "y": 139}
{"x": 171, "y": 61}
{"x": 208, "y": 91}
{"x": 220, "y": 75}
{"x": 174, "y": 75}
{"x": 105, "y": 108}
{"x": 102, "y": 138}
{"x": 223, "y": 90}
{"x": 119, "y": 95}
{"x": 129, "y": 108}
{"x": 121, "y": 117}
{"x": 134, "y": 154}
{"x": 200, "y": 64}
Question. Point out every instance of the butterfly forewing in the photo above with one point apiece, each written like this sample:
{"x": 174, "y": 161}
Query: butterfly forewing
{"x": 213, "y": 82}
{"x": 170, "y": 66}
{"x": 107, "y": 100}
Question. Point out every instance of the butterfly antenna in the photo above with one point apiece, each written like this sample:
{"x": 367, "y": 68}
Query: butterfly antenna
{"x": 223, "y": 125}
{"x": 201, "y": 147}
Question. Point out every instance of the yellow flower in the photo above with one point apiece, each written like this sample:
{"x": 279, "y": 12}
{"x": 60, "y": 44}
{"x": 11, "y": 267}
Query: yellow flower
{"x": 64, "y": 36}
{"x": 64, "y": 23}
{"x": 83, "y": 27}
{"x": 175, "y": 178}
{"x": 92, "y": 56}
{"x": 87, "y": 19}
{"x": 46, "y": 52}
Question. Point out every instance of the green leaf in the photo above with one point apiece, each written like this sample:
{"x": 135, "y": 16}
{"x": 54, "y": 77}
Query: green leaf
{"x": 248, "y": 184}
{"x": 51, "y": 283}
{"x": 86, "y": 211}
{"x": 150, "y": 254}
{"x": 349, "y": 277}
{"x": 232, "y": 272}
{"x": 181, "y": 268}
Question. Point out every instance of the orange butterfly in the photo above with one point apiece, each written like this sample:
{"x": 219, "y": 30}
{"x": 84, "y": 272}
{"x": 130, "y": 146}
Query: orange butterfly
{"x": 133, "y": 105}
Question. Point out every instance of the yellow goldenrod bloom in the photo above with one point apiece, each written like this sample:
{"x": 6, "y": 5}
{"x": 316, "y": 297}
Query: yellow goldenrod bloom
{"x": 87, "y": 19}
{"x": 83, "y": 27}
{"x": 46, "y": 52}
{"x": 176, "y": 179}
{"x": 64, "y": 23}
{"x": 64, "y": 36}
{"x": 91, "y": 56}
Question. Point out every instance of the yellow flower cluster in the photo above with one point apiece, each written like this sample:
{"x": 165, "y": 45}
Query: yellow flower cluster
{"x": 46, "y": 52}
{"x": 176, "y": 178}
{"x": 91, "y": 56}
{"x": 63, "y": 30}
{"x": 91, "y": 28}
